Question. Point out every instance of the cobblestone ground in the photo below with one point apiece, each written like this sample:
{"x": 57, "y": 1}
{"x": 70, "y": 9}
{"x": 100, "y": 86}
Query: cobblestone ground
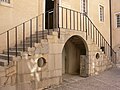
{"x": 108, "y": 80}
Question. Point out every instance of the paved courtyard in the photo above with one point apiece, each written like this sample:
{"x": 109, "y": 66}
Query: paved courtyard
{"x": 108, "y": 80}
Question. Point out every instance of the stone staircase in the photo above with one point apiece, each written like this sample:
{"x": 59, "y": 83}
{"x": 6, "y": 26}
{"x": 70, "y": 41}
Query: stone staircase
{"x": 12, "y": 50}
{"x": 54, "y": 44}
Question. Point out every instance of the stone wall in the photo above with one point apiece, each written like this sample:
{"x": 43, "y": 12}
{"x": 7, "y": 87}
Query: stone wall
{"x": 26, "y": 75}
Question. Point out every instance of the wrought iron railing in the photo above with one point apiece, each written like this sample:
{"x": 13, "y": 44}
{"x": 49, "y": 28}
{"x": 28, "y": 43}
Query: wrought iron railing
{"x": 74, "y": 20}
{"x": 18, "y": 34}
{"x": 65, "y": 18}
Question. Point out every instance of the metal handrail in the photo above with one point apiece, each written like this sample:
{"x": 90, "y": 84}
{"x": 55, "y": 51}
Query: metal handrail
{"x": 86, "y": 25}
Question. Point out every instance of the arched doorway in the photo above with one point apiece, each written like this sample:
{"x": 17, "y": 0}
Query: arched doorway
{"x": 74, "y": 57}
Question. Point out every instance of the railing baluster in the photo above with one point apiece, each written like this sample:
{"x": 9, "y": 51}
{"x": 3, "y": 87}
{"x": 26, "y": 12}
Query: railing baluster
{"x": 93, "y": 35}
{"x": 88, "y": 26}
{"x": 48, "y": 23}
{"x": 37, "y": 29}
{"x": 77, "y": 20}
{"x": 102, "y": 41}
{"x": 8, "y": 42}
{"x": 105, "y": 47}
{"x": 43, "y": 26}
{"x": 16, "y": 41}
{"x": 91, "y": 29}
{"x": 30, "y": 32}
{"x": 70, "y": 19}
{"x": 66, "y": 18}
{"x": 62, "y": 17}
{"x": 74, "y": 20}
{"x": 80, "y": 22}
{"x": 53, "y": 19}
{"x": 96, "y": 36}
{"x": 58, "y": 23}
{"x": 98, "y": 39}
{"x": 83, "y": 22}
{"x": 23, "y": 37}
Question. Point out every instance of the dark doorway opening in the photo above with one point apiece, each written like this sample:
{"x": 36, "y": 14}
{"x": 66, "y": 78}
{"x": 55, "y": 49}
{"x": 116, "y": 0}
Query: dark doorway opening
{"x": 49, "y": 14}
{"x": 74, "y": 59}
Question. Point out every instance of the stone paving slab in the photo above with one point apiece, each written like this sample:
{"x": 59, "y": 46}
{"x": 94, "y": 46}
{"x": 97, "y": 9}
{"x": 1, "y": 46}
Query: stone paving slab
{"x": 108, "y": 80}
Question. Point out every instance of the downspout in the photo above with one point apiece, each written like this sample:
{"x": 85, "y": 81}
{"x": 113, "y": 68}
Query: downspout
{"x": 110, "y": 6}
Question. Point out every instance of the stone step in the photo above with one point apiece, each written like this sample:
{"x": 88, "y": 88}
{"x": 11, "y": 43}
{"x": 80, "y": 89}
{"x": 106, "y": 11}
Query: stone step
{"x": 12, "y": 52}
{"x": 46, "y": 31}
{"x": 34, "y": 39}
{"x": 20, "y": 48}
{"x": 5, "y": 57}
{"x": 41, "y": 34}
{"x": 3, "y": 62}
{"x": 27, "y": 44}
{"x": 39, "y": 37}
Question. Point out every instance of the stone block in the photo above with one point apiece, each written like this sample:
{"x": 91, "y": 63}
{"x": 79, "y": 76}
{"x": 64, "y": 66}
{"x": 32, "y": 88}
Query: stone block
{"x": 45, "y": 83}
{"x": 58, "y": 72}
{"x": 51, "y": 73}
{"x": 23, "y": 67}
{"x": 56, "y": 81}
{"x": 26, "y": 86}
{"x": 55, "y": 48}
{"x": 51, "y": 62}
{"x": 39, "y": 85}
{"x": 44, "y": 74}
{"x": 58, "y": 61}
{"x": 8, "y": 87}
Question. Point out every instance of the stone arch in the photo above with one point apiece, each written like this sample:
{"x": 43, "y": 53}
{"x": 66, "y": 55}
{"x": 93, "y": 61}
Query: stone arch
{"x": 74, "y": 56}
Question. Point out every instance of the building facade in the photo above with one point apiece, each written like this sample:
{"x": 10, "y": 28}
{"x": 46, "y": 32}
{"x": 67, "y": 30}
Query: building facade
{"x": 48, "y": 39}
{"x": 115, "y": 26}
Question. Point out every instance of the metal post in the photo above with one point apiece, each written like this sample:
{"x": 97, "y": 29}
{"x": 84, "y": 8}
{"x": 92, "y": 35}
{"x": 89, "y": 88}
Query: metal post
{"x": 23, "y": 37}
{"x": 16, "y": 41}
{"x": 48, "y": 23}
{"x": 62, "y": 17}
{"x": 30, "y": 32}
{"x": 66, "y": 18}
{"x": 37, "y": 29}
{"x": 77, "y": 20}
{"x": 80, "y": 22}
{"x": 8, "y": 47}
{"x": 83, "y": 21}
{"x": 43, "y": 26}
{"x": 58, "y": 23}
{"x": 70, "y": 19}
{"x": 74, "y": 20}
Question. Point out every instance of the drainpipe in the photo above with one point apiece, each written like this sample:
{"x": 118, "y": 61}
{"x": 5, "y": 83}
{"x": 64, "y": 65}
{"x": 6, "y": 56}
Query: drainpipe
{"x": 110, "y": 6}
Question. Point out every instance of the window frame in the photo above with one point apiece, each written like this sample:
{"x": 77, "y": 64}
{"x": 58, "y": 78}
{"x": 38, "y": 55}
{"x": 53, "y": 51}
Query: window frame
{"x": 5, "y": 1}
{"x": 84, "y": 6}
{"x": 101, "y": 13}
{"x": 117, "y": 26}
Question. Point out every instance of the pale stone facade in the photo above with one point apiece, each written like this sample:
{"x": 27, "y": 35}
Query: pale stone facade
{"x": 115, "y": 29}
{"x": 75, "y": 52}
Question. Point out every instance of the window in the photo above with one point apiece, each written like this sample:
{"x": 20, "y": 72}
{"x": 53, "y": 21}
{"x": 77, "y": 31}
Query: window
{"x": 5, "y": 1}
{"x": 118, "y": 20}
{"x": 101, "y": 13}
{"x": 84, "y": 6}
